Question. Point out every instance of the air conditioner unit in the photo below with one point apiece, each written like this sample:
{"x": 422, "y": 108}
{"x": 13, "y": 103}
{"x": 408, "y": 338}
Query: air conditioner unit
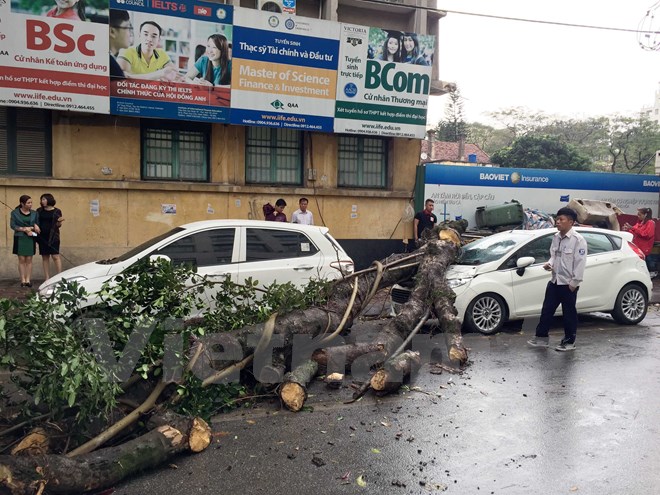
{"x": 657, "y": 162}
{"x": 279, "y": 6}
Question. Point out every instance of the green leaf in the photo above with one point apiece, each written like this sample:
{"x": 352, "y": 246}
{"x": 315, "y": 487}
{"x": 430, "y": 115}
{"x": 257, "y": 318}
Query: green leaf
{"x": 72, "y": 398}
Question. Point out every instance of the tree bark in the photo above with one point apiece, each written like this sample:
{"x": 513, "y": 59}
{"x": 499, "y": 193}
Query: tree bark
{"x": 22, "y": 475}
{"x": 395, "y": 371}
{"x": 294, "y": 389}
{"x": 340, "y": 358}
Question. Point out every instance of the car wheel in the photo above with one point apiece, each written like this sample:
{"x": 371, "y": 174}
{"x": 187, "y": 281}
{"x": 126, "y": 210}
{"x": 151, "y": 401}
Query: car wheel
{"x": 631, "y": 305}
{"x": 486, "y": 314}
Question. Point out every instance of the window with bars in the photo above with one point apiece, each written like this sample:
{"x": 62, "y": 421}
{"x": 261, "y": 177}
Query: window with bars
{"x": 273, "y": 156}
{"x": 362, "y": 162}
{"x": 172, "y": 153}
{"x": 25, "y": 142}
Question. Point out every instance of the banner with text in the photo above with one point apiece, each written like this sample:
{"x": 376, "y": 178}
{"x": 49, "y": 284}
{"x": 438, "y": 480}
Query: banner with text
{"x": 458, "y": 190}
{"x": 384, "y": 82}
{"x": 177, "y": 64}
{"x": 284, "y": 71}
{"x": 51, "y": 58}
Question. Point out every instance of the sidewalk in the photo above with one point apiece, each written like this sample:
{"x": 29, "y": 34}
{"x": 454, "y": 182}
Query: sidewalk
{"x": 11, "y": 289}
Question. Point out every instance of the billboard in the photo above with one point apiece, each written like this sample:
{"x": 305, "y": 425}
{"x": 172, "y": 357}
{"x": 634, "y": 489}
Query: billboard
{"x": 284, "y": 71}
{"x": 52, "y": 58}
{"x": 177, "y": 65}
{"x": 384, "y": 82}
{"x": 203, "y": 61}
{"x": 458, "y": 190}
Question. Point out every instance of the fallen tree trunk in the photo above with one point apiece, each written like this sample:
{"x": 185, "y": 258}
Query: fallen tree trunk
{"x": 23, "y": 475}
{"x": 294, "y": 389}
{"x": 320, "y": 325}
{"x": 395, "y": 371}
{"x": 340, "y": 358}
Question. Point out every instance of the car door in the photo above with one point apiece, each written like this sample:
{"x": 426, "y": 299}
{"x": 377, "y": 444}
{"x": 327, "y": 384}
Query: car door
{"x": 279, "y": 255}
{"x": 213, "y": 253}
{"x": 528, "y": 288}
{"x": 603, "y": 261}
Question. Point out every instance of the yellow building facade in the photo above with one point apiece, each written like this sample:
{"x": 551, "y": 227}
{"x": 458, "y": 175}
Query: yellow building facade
{"x": 108, "y": 207}
{"x": 94, "y": 165}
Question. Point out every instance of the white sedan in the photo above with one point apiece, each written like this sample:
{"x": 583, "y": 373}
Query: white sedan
{"x": 501, "y": 277}
{"x": 268, "y": 252}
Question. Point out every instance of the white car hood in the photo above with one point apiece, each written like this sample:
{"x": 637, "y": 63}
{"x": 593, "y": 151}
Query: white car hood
{"x": 471, "y": 271}
{"x": 88, "y": 270}
{"x": 460, "y": 271}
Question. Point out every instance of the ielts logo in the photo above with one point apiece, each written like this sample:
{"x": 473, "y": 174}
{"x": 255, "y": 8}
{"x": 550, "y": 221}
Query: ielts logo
{"x": 205, "y": 11}
{"x": 166, "y": 5}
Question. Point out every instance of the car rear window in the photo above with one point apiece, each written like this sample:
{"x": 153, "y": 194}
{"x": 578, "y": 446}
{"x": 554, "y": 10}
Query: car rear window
{"x": 599, "y": 243}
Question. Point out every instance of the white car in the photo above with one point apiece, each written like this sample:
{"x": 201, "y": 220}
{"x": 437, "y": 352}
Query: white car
{"x": 501, "y": 277}
{"x": 268, "y": 252}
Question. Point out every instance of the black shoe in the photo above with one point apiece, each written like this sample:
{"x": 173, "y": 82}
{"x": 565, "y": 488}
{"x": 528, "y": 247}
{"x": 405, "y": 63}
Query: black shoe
{"x": 28, "y": 284}
{"x": 565, "y": 346}
{"x": 23, "y": 284}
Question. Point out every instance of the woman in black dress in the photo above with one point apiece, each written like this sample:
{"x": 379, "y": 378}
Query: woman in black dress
{"x": 50, "y": 220}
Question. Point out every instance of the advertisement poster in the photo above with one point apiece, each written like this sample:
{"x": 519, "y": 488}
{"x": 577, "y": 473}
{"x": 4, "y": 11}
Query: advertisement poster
{"x": 384, "y": 82}
{"x": 170, "y": 60}
{"x": 458, "y": 191}
{"x": 53, "y": 58}
{"x": 284, "y": 71}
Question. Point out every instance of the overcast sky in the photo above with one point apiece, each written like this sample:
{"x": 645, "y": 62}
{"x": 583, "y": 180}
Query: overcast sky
{"x": 567, "y": 71}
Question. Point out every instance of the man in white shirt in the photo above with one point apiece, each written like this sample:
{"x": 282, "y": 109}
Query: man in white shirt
{"x": 568, "y": 257}
{"x": 302, "y": 215}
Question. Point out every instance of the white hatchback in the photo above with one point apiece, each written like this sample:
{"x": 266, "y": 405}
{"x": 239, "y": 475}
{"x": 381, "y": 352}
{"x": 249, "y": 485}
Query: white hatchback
{"x": 268, "y": 252}
{"x": 501, "y": 277}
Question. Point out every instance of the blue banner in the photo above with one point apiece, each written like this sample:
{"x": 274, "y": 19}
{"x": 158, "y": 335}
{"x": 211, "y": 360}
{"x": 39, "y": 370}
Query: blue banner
{"x": 525, "y": 178}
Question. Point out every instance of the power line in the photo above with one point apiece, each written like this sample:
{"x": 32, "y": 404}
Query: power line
{"x": 517, "y": 19}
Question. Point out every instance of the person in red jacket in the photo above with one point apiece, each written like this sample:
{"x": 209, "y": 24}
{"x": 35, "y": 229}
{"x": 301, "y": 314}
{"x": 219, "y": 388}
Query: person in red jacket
{"x": 643, "y": 231}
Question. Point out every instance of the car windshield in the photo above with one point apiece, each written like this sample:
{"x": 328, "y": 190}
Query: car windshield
{"x": 142, "y": 247}
{"x": 488, "y": 249}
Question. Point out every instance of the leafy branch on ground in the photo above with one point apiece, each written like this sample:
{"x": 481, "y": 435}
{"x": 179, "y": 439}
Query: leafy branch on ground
{"x": 75, "y": 362}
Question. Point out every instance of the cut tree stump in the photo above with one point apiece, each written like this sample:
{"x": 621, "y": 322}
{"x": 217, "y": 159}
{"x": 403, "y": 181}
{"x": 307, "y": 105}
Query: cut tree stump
{"x": 294, "y": 389}
{"x": 395, "y": 371}
{"x": 26, "y": 475}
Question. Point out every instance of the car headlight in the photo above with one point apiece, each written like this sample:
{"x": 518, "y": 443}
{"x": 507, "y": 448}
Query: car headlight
{"x": 457, "y": 282}
{"x": 50, "y": 288}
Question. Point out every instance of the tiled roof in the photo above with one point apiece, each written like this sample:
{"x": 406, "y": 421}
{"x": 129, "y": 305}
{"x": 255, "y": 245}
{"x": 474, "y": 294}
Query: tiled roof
{"x": 447, "y": 151}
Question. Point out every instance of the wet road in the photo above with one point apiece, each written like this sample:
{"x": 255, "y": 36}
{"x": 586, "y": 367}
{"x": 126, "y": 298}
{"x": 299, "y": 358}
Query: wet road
{"x": 518, "y": 421}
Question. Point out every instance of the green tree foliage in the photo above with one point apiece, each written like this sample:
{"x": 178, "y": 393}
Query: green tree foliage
{"x": 453, "y": 127}
{"x": 73, "y": 361}
{"x": 518, "y": 121}
{"x": 633, "y": 144}
{"x": 540, "y": 152}
{"x": 612, "y": 143}
{"x": 590, "y": 136}
{"x": 487, "y": 138}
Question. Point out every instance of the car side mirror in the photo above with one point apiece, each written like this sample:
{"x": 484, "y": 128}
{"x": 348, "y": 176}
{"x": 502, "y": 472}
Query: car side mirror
{"x": 523, "y": 263}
